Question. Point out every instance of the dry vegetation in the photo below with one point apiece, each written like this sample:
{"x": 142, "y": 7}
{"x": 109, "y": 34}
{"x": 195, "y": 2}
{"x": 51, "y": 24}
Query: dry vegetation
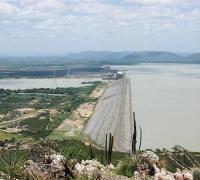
{"x": 74, "y": 125}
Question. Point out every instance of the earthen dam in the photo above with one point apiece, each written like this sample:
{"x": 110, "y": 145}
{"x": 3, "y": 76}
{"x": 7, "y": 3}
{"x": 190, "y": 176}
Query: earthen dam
{"x": 113, "y": 114}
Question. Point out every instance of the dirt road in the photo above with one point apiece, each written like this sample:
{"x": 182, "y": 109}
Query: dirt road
{"x": 113, "y": 114}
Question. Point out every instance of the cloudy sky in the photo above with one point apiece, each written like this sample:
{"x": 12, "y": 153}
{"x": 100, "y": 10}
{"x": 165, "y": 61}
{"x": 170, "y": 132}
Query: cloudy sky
{"x": 60, "y": 26}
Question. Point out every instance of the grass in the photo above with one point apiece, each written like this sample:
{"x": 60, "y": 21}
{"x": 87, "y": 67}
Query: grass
{"x": 55, "y": 135}
{"x": 11, "y": 164}
{"x": 72, "y": 148}
{"x": 6, "y": 135}
{"x": 127, "y": 167}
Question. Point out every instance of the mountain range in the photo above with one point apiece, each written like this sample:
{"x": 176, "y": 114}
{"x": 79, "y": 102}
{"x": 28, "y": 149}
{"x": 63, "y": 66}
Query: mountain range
{"x": 107, "y": 57}
{"x": 134, "y": 57}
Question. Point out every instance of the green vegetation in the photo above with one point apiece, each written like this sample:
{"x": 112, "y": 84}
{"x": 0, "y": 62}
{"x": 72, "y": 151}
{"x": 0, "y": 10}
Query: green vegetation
{"x": 11, "y": 164}
{"x": 128, "y": 165}
{"x": 36, "y": 127}
{"x": 91, "y": 82}
{"x": 44, "y": 98}
{"x": 48, "y": 108}
{"x": 5, "y": 135}
{"x": 196, "y": 173}
{"x": 74, "y": 149}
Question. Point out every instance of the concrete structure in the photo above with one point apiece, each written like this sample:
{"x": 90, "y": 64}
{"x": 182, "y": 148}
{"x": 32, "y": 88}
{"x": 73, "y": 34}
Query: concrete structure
{"x": 109, "y": 74}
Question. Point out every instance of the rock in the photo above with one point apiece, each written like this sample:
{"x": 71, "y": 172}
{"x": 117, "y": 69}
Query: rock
{"x": 57, "y": 160}
{"x": 187, "y": 175}
{"x": 52, "y": 167}
{"x": 79, "y": 168}
{"x": 32, "y": 169}
{"x": 136, "y": 175}
{"x": 71, "y": 163}
{"x": 168, "y": 177}
{"x": 110, "y": 167}
{"x": 147, "y": 165}
{"x": 89, "y": 167}
{"x": 157, "y": 170}
{"x": 150, "y": 157}
{"x": 162, "y": 172}
{"x": 30, "y": 166}
{"x": 178, "y": 176}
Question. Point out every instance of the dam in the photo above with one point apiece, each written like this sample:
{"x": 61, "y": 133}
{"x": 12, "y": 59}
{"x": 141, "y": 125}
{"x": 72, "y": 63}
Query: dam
{"x": 113, "y": 114}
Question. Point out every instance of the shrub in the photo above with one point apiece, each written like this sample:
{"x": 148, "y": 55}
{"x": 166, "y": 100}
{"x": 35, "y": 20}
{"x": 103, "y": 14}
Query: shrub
{"x": 11, "y": 163}
{"x": 75, "y": 152}
{"x": 128, "y": 166}
{"x": 196, "y": 173}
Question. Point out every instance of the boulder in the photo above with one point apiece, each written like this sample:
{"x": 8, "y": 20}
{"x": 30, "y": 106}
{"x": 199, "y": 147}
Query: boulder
{"x": 52, "y": 167}
{"x": 89, "y": 167}
{"x": 150, "y": 157}
{"x": 110, "y": 167}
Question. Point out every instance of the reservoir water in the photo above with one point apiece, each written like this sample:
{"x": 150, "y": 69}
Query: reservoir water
{"x": 166, "y": 99}
{"x": 24, "y": 83}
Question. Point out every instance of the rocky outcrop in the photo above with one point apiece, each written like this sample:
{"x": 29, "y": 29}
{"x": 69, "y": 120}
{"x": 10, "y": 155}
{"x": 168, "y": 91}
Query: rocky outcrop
{"x": 93, "y": 169}
{"x": 148, "y": 168}
{"x": 53, "y": 167}
{"x": 56, "y": 166}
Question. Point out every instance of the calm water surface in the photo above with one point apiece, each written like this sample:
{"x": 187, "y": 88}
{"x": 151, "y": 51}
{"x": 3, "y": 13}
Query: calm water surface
{"x": 166, "y": 99}
{"x": 24, "y": 83}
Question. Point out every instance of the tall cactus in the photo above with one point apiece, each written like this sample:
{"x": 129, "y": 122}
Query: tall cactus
{"x": 134, "y": 138}
{"x": 106, "y": 148}
{"x": 102, "y": 156}
{"x": 140, "y": 139}
{"x": 110, "y": 147}
{"x": 91, "y": 152}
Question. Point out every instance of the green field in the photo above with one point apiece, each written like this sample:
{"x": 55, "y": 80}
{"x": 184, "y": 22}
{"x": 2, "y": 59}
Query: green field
{"x": 40, "y": 121}
{"x": 5, "y": 135}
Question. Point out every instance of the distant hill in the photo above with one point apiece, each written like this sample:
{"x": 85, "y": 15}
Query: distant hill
{"x": 108, "y": 57}
{"x": 97, "y": 55}
{"x": 154, "y": 57}
{"x": 194, "y": 58}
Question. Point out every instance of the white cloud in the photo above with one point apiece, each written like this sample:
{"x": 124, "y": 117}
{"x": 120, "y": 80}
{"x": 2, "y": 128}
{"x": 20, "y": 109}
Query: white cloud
{"x": 43, "y": 5}
{"x": 164, "y": 2}
{"x": 97, "y": 19}
{"x": 7, "y": 8}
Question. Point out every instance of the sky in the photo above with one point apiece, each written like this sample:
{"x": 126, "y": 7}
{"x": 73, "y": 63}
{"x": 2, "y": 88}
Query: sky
{"x": 62, "y": 26}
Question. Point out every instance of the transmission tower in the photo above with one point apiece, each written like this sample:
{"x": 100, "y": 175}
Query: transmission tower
{"x": 69, "y": 73}
{"x": 54, "y": 80}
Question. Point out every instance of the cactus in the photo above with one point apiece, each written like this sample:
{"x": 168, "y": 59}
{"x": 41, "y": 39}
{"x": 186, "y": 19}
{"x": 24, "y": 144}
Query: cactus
{"x": 91, "y": 152}
{"x": 110, "y": 147}
{"x": 196, "y": 173}
{"x": 134, "y": 139}
{"x": 140, "y": 139}
{"x": 102, "y": 156}
{"x": 106, "y": 148}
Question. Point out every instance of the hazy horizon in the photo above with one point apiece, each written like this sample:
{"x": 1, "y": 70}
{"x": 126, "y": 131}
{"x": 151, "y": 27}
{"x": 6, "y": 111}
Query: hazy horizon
{"x": 38, "y": 54}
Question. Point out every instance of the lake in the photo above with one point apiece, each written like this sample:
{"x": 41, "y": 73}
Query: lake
{"x": 24, "y": 83}
{"x": 166, "y": 99}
